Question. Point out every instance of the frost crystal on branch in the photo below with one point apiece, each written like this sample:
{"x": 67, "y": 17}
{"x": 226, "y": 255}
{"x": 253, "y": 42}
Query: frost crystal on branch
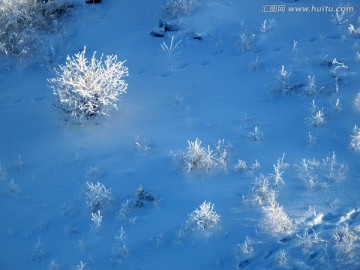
{"x": 86, "y": 88}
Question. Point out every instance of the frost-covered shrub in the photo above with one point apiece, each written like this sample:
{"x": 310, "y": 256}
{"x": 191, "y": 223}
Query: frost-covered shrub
{"x": 355, "y": 138}
{"x": 245, "y": 250}
{"x": 261, "y": 190}
{"x": 86, "y": 89}
{"x": 144, "y": 196}
{"x": 317, "y": 117}
{"x": 142, "y": 145}
{"x": 256, "y": 135}
{"x": 203, "y": 160}
{"x": 284, "y": 83}
{"x": 347, "y": 244}
{"x": 140, "y": 199}
{"x": 278, "y": 170}
{"x": 315, "y": 173}
{"x": 171, "y": 50}
{"x": 267, "y": 25}
{"x": 282, "y": 258}
{"x": 332, "y": 169}
{"x": 311, "y": 88}
{"x": 22, "y": 21}
{"x": 174, "y": 9}
{"x": 309, "y": 240}
{"x": 204, "y": 217}
{"x": 97, "y": 196}
{"x": 276, "y": 219}
{"x": 120, "y": 249}
{"x": 241, "y": 165}
{"x": 284, "y": 77}
{"x": 39, "y": 252}
{"x": 12, "y": 188}
{"x": 125, "y": 210}
{"x": 247, "y": 42}
{"x": 96, "y": 218}
{"x": 357, "y": 101}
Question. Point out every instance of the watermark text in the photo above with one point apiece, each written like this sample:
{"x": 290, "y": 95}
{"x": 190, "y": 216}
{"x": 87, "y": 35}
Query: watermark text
{"x": 308, "y": 9}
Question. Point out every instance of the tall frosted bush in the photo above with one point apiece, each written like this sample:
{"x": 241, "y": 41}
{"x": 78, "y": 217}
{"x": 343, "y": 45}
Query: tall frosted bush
{"x": 88, "y": 88}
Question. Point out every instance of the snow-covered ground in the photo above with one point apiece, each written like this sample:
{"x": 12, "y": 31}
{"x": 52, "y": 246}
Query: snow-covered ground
{"x": 245, "y": 79}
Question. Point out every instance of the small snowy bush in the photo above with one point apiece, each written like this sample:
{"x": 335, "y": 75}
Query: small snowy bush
{"x": 171, "y": 50}
{"x": 276, "y": 219}
{"x": 267, "y": 25}
{"x": 311, "y": 88}
{"x": 261, "y": 190}
{"x": 247, "y": 42}
{"x": 203, "y": 160}
{"x": 246, "y": 249}
{"x": 204, "y": 217}
{"x": 86, "y": 89}
{"x": 357, "y": 101}
{"x": 22, "y": 21}
{"x": 347, "y": 246}
{"x": 355, "y": 138}
{"x": 97, "y": 196}
{"x": 96, "y": 218}
{"x": 120, "y": 249}
{"x": 174, "y": 9}
{"x": 282, "y": 258}
{"x": 256, "y": 135}
{"x": 278, "y": 170}
{"x": 317, "y": 117}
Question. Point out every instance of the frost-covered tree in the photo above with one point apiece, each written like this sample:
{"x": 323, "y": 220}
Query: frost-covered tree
{"x": 88, "y": 88}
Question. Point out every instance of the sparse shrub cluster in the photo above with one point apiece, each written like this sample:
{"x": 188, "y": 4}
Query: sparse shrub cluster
{"x": 265, "y": 190}
{"x": 86, "y": 89}
{"x": 22, "y": 21}
{"x": 320, "y": 174}
{"x": 203, "y": 159}
{"x": 264, "y": 193}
